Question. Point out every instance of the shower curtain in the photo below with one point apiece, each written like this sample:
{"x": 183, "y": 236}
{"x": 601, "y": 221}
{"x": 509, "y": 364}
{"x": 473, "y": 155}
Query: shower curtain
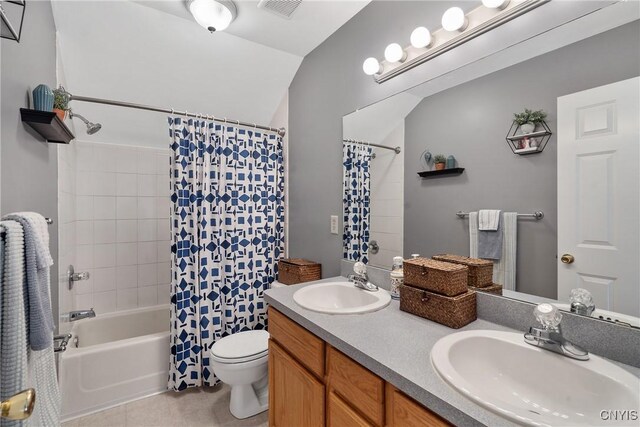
{"x": 356, "y": 201}
{"x": 227, "y": 226}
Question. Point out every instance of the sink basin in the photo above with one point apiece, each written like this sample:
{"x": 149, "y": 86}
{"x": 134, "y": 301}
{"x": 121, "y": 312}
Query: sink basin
{"x": 341, "y": 298}
{"x": 532, "y": 386}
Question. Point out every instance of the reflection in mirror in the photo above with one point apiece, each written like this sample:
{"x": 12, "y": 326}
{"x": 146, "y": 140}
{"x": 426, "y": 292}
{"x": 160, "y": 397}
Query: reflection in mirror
{"x": 585, "y": 179}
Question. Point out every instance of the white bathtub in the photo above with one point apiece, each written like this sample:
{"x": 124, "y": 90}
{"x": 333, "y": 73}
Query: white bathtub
{"x": 120, "y": 357}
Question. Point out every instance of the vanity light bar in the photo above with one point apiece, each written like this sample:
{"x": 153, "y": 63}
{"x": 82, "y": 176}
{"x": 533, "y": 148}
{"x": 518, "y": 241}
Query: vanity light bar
{"x": 478, "y": 21}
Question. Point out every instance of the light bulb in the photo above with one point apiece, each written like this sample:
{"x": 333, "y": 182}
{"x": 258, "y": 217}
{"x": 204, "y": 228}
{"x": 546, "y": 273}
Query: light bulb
{"x": 420, "y": 38}
{"x": 454, "y": 20}
{"x": 395, "y": 53}
{"x": 371, "y": 66}
{"x": 495, "y": 4}
{"x": 214, "y": 15}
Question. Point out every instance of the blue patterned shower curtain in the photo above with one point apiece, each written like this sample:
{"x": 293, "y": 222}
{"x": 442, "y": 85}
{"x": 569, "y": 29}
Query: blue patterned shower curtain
{"x": 356, "y": 201}
{"x": 227, "y": 226}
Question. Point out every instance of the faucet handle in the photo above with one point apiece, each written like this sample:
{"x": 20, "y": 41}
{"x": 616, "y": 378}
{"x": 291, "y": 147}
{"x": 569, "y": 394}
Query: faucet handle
{"x": 359, "y": 268}
{"x": 548, "y": 315}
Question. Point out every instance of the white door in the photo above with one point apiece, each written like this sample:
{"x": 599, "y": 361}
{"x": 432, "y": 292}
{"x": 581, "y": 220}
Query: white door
{"x": 598, "y": 195}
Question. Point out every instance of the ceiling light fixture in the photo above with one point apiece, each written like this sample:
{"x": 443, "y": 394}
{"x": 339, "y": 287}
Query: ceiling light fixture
{"x": 457, "y": 29}
{"x": 214, "y": 15}
{"x": 421, "y": 38}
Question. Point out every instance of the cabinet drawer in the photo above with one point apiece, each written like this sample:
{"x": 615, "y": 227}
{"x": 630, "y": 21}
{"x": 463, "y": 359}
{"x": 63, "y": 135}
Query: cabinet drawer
{"x": 300, "y": 343}
{"x": 357, "y": 385}
{"x": 402, "y": 411}
{"x": 340, "y": 414}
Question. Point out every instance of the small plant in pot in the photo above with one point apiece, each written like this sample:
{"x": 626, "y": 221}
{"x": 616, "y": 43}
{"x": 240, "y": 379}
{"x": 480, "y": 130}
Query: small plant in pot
{"x": 60, "y": 102}
{"x": 440, "y": 161}
{"x": 528, "y": 120}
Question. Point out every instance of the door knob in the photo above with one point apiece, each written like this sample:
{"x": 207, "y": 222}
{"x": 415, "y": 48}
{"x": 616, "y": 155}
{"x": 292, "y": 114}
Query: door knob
{"x": 567, "y": 259}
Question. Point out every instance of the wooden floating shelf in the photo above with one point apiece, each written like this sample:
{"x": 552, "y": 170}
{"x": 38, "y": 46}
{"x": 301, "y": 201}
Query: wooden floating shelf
{"x": 48, "y": 125}
{"x": 443, "y": 172}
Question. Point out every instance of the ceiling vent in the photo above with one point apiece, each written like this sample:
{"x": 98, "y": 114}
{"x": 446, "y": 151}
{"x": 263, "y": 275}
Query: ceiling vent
{"x": 282, "y": 8}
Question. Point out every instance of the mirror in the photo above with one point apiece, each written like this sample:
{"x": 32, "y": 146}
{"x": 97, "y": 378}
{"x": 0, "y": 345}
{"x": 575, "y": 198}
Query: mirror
{"x": 567, "y": 190}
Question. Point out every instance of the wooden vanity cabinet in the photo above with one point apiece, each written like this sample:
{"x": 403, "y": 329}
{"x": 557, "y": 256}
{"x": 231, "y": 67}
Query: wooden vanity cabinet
{"x": 313, "y": 384}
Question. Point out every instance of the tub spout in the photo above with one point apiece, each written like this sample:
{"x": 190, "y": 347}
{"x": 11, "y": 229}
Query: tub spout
{"x": 81, "y": 314}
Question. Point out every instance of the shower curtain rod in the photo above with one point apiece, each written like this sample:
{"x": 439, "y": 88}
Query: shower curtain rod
{"x": 353, "y": 141}
{"x": 280, "y": 131}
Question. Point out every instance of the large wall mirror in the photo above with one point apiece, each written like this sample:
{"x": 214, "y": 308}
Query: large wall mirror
{"x": 585, "y": 181}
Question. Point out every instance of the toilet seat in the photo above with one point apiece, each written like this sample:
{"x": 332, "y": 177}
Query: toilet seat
{"x": 241, "y": 347}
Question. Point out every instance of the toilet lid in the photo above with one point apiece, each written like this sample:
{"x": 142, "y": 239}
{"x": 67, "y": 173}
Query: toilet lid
{"x": 241, "y": 347}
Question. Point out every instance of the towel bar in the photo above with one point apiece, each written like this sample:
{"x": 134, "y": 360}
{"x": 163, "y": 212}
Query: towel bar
{"x": 538, "y": 215}
{"x": 49, "y": 222}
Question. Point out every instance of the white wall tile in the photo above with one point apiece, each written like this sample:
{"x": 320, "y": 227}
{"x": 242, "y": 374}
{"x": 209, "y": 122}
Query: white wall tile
{"x": 163, "y": 251}
{"x": 104, "y": 183}
{"x": 164, "y": 229}
{"x": 147, "y": 275}
{"x": 162, "y": 163}
{"x": 162, "y": 186}
{"x": 84, "y": 183}
{"x": 147, "y": 230}
{"x": 127, "y": 160}
{"x": 146, "y": 207}
{"x": 84, "y": 157}
{"x": 127, "y": 276}
{"x": 163, "y": 207}
{"x": 147, "y": 296}
{"x": 84, "y": 286}
{"x": 84, "y": 232}
{"x": 83, "y": 301}
{"x": 126, "y": 299}
{"x": 104, "y": 231}
{"x": 147, "y": 252}
{"x": 126, "y": 184}
{"x": 84, "y": 208}
{"x": 104, "y": 207}
{"x": 104, "y": 279}
{"x": 104, "y": 302}
{"x": 104, "y": 255}
{"x": 84, "y": 257}
{"x": 146, "y": 161}
{"x": 147, "y": 185}
{"x": 126, "y": 230}
{"x": 164, "y": 296}
{"x": 105, "y": 157}
{"x": 164, "y": 272}
{"x": 126, "y": 207}
{"x": 127, "y": 254}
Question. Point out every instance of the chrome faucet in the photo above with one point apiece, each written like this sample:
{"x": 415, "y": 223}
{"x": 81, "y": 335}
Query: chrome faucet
{"x": 549, "y": 336}
{"x": 361, "y": 278}
{"x": 81, "y": 314}
{"x": 581, "y": 302}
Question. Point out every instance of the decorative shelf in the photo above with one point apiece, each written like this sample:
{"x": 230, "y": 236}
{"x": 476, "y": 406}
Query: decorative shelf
{"x": 443, "y": 172}
{"x": 528, "y": 143}
{"x": 48, "y": 125}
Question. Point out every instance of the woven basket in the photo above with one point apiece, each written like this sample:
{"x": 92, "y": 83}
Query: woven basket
{"x": 297, "y": 270}
{"x": 436, "y": 276}
{"x": 454, "y": 312}
{"x": 480, "y": 270}
{"x": 494, "y": 288}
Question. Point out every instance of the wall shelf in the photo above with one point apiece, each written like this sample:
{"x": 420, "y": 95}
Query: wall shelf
{"x": 443, "y": 172}
{"x": 528, "y": 143}
{"x": 48, "y": 125}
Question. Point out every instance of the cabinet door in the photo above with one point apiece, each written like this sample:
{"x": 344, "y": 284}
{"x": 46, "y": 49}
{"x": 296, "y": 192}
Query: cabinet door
{"x": 296, "y": 397}
{"x": 340, "y": 414}
{"x": 403, "y": 411}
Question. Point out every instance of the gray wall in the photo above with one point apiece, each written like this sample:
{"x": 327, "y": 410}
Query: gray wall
{"x": 471, "y": 120}
{"x": 29, "y": 177}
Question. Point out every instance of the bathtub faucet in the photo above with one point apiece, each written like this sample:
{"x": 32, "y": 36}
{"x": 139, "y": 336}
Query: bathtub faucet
{"x": 81, "y": 314}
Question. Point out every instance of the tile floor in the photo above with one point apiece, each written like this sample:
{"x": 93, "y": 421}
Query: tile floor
{"x": 191, "y": 408}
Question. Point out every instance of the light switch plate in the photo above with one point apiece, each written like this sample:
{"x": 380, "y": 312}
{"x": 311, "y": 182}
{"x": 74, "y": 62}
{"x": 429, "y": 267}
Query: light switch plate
{"x": 334, "y": 224}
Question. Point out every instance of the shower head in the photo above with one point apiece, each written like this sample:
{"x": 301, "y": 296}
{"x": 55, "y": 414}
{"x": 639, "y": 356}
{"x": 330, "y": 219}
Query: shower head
{"x": 91, "y": 127}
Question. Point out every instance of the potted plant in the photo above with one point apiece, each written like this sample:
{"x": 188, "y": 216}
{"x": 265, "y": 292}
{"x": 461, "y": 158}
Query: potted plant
{"x": 527, "y": 120}
{"x": 440, "y": 160}
{"x": 60, "y": 102}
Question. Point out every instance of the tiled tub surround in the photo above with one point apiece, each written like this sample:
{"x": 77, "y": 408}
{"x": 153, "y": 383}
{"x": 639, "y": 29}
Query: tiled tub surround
{"x": 396, "y": 346}
{"x": 122, "y": 226}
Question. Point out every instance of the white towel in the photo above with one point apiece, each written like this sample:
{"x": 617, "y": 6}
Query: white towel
{"x": 488, "y": 219}
{"x": 504, "y": 269}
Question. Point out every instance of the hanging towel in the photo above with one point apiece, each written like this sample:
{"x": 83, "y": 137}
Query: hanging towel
{"x": 504, "y": 269}
{"x": 38, "y": 260}
{"x": 488, "y": 219}
{"x": 13, "y": 336}
{"x": 490, "y": 242}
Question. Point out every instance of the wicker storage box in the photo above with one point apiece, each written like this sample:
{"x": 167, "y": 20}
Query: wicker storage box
{"x": 436, "y": 276}
{"x": 480, "y": 270}
{"x": 297, "y": 270}
{"x": 454, "y": 312}
{"x": 492, "y": 289}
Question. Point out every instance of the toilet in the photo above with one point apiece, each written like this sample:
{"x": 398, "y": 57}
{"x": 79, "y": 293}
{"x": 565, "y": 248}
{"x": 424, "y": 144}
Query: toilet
{"x": 240, "y": 360}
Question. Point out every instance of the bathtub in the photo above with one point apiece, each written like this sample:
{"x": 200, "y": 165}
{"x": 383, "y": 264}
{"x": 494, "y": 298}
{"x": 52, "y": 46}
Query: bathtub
{"x": 114, "y": 358}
